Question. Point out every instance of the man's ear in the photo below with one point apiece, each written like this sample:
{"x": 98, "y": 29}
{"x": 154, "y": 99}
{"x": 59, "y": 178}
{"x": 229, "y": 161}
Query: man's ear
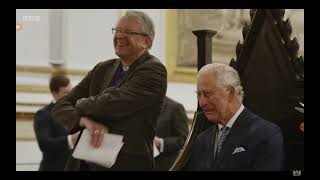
{"x": 231, "y": 94}
{"x": 147, "y": 42}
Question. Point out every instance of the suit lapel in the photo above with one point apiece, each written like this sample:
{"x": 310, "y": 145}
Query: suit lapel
{"x": 212, "y": 140}
{"x": 108, "y": 76}
{"x": 235, "y": 136}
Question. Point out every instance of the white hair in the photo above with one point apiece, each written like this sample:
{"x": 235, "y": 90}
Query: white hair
{"x": 146, "y": 21}
{"x": 226, "y": 77}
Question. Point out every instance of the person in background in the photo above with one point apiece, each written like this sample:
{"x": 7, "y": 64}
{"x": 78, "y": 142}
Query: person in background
{"x": 54, "y": 141}
{"x": 171, "y": 133}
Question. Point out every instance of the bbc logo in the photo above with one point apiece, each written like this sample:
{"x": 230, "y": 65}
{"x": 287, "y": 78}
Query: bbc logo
{"x": 30, "y": 18}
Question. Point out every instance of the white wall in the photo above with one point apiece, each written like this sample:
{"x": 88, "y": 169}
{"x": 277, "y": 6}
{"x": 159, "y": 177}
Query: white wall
{"x": 32, "y": 41}
{"x": 86, "y": 40}
{"x": 88, "y": 37}
{"x": 183, "y": 93}
{"x": 28, "y": 156}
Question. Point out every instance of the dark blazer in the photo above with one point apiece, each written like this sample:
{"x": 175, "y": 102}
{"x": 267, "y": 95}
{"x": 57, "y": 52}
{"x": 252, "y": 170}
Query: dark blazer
{"x": 261, "y": 140}
{"x": 172, "y": 126}
{"x": 52, "y": 140}
{"x": 131, "y": 109}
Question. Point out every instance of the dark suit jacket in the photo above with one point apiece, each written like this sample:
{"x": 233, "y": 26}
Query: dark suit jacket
{"x": 172, "y": 126}
{"x": 131, "y": 109}
{"x": 261, "y": 140}
{"x": 52, "y": 140}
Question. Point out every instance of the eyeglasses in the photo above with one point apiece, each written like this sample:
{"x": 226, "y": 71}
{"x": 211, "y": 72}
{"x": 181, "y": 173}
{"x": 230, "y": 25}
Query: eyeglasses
{"x": 127, "y": 33}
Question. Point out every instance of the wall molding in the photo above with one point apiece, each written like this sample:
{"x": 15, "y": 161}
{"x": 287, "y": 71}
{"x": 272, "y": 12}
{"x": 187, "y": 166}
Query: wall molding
{"x": 49, "y": 70}
{"x": 25, "y": 138}
{"x": 40, "y": 105}
{"x": 32, "y": 89}
{"x": 24, "y": 116}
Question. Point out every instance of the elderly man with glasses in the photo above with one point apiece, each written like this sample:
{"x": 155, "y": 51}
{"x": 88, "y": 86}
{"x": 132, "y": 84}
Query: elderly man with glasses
{"x": 121, "y": 96}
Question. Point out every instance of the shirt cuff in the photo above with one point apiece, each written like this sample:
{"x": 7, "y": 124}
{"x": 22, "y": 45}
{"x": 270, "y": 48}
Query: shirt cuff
{"x": 70, "y": 144}
{"x": 161, "y": 144}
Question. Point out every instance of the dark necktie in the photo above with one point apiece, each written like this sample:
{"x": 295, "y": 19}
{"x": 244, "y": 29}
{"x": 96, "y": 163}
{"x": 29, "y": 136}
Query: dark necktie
{"x": 223, "y": 136}
{"x": 119, "y": 77}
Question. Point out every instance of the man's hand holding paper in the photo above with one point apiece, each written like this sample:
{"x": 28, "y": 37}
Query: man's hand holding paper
{"x": 105, "y": 155}
{"x": 97, "y": 130}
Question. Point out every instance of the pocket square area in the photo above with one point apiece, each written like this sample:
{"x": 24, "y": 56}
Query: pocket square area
{"x": 238, "y": 150}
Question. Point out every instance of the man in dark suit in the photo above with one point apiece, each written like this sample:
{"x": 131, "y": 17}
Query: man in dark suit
{"x": 239, "y": 140}
{"x": 121, "y": 96}
{"x": 53, "y": 139}
{"x": 171, "y": 133}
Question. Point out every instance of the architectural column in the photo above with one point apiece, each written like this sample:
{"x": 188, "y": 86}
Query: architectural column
{"x": 56, "y": 41}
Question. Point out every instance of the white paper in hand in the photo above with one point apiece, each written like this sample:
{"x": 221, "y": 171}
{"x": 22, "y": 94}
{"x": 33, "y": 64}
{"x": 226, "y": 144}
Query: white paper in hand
{"x": 105, "y": 155}
{"x": 155, "y": 151}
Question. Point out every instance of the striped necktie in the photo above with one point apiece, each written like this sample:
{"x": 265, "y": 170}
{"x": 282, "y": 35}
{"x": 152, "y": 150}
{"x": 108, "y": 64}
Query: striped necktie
{"x": 225, "y": 131}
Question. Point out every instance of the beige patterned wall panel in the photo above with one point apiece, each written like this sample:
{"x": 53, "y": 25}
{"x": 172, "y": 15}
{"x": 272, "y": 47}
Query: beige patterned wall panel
{"x": 228, "y": 23}
{"x": 182, "y": 44}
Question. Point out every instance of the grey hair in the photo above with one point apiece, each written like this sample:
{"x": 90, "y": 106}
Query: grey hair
{"x": 146, "y": 21}
{"x": 226, "y": 77}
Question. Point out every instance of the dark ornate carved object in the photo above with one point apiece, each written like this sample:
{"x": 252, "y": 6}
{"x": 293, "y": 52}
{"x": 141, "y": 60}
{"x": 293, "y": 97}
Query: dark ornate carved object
{"x": 204, "y": 44}
{"x": 273, "y": 79}
{"x": 238, "y": 49}
{"x": 245, "y": 30}
{"x": 269, "y": 58}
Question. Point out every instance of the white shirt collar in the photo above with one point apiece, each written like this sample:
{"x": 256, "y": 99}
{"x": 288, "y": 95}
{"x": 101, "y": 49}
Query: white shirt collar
{"x": 125, "y": 68}
{"x": 233, "y": 119}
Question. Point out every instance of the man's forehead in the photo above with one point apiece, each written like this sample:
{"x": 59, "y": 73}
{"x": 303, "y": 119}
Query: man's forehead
{"x": 129, "y": 20}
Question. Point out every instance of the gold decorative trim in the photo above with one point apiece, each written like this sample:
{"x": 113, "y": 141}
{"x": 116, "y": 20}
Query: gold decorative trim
{"x": 77, "y": 72}
{"x": 25, "y": 138}
{"x": 31, "y": 104}
{"x": 24, "y": 116}
{"x": 33, "y": 69}
{"x": 32, "y": 89}
{"x": 175, "y": 73}
{"x": 50, "y": 70}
